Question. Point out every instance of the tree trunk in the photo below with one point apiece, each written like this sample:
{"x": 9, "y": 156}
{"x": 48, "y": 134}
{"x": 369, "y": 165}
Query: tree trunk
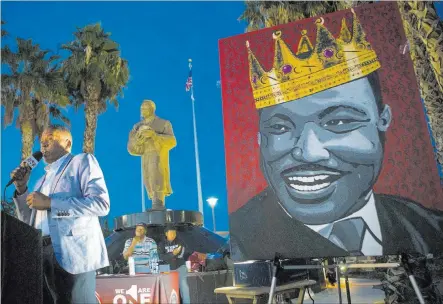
{"x": 27, "y": 138}
{"x": 91, "y": 116}
{"x": 426, "y": 75}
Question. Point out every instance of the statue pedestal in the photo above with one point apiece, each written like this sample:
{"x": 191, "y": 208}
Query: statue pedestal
{"x": 159, "y": 218}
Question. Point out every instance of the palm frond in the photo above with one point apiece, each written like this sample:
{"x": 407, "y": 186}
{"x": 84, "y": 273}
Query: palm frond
{"x": 9, "y": 102}
{"x": 260, "y": 14}
{"x": 4, "y": 32}
{"x": 56, "y": 113}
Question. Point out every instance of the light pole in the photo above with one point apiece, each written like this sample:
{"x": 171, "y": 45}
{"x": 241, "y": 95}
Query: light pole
{"x": 212, "y": 201}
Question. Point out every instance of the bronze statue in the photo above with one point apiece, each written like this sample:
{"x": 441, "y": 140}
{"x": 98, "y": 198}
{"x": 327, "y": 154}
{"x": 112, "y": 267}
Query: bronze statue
{"x": 152, "y": 138}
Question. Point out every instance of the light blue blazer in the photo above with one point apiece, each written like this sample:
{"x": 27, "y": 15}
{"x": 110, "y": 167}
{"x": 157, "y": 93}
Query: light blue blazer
{"x": 78, "y": 197}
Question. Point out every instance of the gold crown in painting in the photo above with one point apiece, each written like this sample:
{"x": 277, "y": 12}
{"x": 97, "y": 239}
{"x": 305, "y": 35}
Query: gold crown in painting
{"x": 332, "y": 62}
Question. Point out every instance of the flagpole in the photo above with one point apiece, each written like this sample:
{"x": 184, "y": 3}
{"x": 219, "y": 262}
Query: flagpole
{"x": 142, "y": 187}
{"x": 197, "y": 159}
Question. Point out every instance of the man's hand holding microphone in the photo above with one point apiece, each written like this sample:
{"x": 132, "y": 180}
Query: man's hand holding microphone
{"x": 20, "y": 178}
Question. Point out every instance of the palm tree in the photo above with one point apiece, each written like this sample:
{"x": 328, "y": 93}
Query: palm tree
{"x": 95, "y": 74}
{"x": 424, "y": 31}
{"x": 34, "y": 85}
{"x": 422, "y": 25}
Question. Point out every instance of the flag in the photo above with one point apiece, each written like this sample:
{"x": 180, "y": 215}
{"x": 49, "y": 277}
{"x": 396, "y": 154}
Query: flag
{"x": 189, "y": 81}
{"x": 189, "y": 84}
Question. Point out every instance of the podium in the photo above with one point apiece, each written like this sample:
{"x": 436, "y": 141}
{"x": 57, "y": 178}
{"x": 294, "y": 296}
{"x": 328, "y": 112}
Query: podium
{"x": 21, "y": 262}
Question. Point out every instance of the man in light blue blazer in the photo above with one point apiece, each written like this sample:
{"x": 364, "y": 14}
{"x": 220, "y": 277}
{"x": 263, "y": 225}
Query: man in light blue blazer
{"x": 65, "y": 205}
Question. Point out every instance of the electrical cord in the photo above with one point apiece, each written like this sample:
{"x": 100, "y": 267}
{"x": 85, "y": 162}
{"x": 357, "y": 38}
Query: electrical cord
{"x": 309, "y": 294}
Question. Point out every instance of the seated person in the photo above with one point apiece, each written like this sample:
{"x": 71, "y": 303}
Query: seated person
{"x": 143, "y": 249}
{"x": 175, "y": 254}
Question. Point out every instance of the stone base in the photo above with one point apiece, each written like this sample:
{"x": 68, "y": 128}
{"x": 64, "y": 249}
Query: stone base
{"x": 159, "y": 218}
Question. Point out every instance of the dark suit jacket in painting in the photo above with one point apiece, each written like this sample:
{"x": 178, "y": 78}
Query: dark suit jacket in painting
{"x": 262, "y": 228}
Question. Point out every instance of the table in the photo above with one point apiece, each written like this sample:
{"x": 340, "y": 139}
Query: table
{"x": 254, "y": 293}
{"x": 139, "y": 289}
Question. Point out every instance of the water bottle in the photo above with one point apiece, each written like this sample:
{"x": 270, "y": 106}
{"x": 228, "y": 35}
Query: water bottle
{"x": 131, "y": 265}
{"x": 154, "y": 267}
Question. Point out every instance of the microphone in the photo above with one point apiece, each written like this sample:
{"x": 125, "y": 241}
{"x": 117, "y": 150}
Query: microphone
{"x": 29, "y": 163}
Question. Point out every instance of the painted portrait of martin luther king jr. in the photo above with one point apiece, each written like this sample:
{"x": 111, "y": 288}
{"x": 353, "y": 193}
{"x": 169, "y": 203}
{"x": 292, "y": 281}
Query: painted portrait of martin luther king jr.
{"x": 323, "y": 122}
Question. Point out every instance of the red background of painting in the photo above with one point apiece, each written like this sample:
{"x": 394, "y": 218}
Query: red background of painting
{"x": 409, "y": 168}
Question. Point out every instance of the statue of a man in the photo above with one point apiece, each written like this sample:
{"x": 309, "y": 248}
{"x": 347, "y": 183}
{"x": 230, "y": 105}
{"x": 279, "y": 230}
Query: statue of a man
{"x": 152, "y": 138}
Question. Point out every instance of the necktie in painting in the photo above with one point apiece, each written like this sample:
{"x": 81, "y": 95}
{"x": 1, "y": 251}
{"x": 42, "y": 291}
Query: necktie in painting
{"x": 349, "y": 235}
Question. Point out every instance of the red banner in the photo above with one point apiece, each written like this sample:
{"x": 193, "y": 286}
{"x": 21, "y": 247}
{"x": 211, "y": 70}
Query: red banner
{"x": 138, "y": 289}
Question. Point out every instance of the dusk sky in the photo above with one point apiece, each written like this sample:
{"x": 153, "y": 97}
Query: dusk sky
{"x": 157, "y": 39}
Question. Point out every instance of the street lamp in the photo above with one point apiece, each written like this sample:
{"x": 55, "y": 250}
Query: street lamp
{"x": 212, "y": 201}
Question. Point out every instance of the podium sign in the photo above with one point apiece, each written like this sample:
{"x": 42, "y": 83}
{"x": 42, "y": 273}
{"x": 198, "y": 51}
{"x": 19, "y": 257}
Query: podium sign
{"x": 140, "y": 289}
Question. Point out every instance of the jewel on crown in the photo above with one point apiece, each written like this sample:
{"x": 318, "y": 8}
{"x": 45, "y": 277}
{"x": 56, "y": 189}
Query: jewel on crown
{"x": 331, "y": 62}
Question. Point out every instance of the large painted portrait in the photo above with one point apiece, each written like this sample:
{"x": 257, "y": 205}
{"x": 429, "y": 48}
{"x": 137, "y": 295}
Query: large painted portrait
{"x": 327, "y": 147}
